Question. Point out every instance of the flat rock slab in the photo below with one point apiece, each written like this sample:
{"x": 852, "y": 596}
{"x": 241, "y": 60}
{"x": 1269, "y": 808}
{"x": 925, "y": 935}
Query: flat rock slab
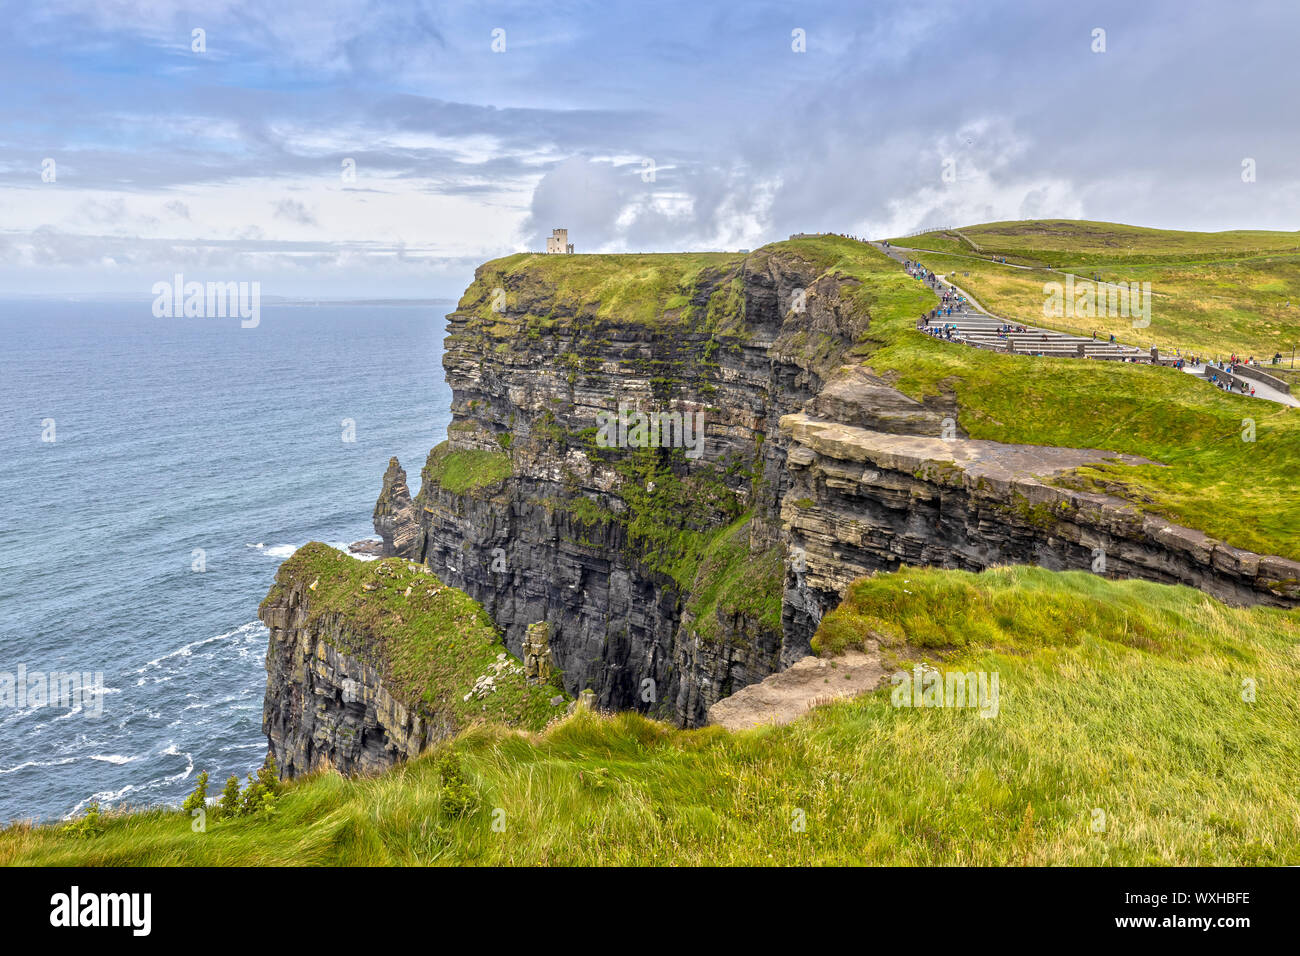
{"x": 978, "y": 458}
{"x": 788, "y": 694}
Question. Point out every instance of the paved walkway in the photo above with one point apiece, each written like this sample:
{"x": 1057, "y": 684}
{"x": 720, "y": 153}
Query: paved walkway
{"x": 1266, "y": 392}
{"x": 977, "y": 326}
{"x": 786, "y": 695}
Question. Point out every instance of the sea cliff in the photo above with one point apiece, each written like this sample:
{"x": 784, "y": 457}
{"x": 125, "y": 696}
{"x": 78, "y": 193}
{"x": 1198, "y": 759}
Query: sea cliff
{"x": 670, "y": 575}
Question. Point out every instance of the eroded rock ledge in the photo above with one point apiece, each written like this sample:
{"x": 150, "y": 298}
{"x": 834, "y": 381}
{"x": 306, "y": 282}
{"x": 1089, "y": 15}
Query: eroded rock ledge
{"x": 863, "y": 501}
{"x": 372, "y": 662}
{"x": 325, "y": 708}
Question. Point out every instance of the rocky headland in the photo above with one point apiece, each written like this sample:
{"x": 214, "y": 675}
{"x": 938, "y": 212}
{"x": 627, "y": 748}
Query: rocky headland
{"x": 668, "y": 581}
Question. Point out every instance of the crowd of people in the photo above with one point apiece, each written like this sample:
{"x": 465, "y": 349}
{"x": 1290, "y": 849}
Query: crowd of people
{"x": 946, "y": 331}
{"x": 1229, "y": 384}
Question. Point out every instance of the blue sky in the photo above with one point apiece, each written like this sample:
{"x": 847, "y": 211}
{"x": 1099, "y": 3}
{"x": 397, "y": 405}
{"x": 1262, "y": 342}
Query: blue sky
{"x": 640, "y": 127}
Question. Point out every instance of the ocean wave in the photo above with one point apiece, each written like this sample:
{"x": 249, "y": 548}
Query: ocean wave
{"x": 187, "y": 650}
{"x": 106, "y": 798}
{"x": 281, "y": 551}
{"x": 39, "y": 763}
{"x": 277, "y": 550}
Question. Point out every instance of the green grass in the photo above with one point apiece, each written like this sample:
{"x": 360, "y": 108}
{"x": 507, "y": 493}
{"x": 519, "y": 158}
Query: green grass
{"x": 1119, "y": 697}
{"x": 461, "y": 471}
{"x": 430, "y": 644}
{"x": 631, "y": 289}
{"x": 1214, "y": 293}
{"x": 1214, "y": 308}
{"x": 1063, "y": 243}
{"x": 732, "y": 580}
{"x": 1207, "y": 477}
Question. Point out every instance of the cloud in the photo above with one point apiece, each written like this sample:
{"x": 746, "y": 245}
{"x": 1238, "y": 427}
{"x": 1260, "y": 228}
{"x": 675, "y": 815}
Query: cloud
{"x": 293, "y": 211}
{"x": 465, "y": 154}
{"x": 110, "y": 212}
{"x": 640, "y": 206}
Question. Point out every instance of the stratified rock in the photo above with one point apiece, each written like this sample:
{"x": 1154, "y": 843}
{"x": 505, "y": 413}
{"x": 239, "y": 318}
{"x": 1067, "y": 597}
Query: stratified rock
{"x": 864, "y": 501}
{"x": 326, "y": 708}
{"x": 617, "y": 623}
{"x": 367, "y": 547}
{"x": 396, "y": 519}
{"x": 537, "y": 653}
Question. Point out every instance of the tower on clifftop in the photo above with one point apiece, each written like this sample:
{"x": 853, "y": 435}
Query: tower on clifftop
{"x": 558, "y": 241}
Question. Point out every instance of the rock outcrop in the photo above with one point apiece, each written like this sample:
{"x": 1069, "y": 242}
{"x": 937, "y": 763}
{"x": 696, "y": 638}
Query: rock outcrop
{"x": 527, "y": 513}
{"x": 396, "y": 521}
{"x": 572, "y": 536}
{"x": 862, "y": 501}
{"x": 538, "y": 665}
{"x": 372, "y": 662}
{"x": 326, "y": 708}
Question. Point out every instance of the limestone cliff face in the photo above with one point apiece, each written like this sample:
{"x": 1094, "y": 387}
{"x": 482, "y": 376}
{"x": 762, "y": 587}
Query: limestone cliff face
{"x": 863, "y": 501}
{"x": 326, "y": 708}
{"x": 561, "y": 531}
{"x": 757, "y": 338}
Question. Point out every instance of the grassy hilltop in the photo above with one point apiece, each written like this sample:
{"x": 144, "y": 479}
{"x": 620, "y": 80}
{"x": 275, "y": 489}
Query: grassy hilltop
{"x": 1208, "y": 477}
{"x": 1123, "y": 736}
{"x": 1214, "y": 293}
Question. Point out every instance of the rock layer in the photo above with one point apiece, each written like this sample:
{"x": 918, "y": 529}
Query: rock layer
{"x": 864, "y": 501}
{"x": 552, "y": 542}
{"x": 325, "y": 708}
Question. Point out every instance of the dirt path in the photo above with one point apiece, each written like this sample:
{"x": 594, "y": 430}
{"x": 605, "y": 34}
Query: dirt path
{"x": 781, "y": 697}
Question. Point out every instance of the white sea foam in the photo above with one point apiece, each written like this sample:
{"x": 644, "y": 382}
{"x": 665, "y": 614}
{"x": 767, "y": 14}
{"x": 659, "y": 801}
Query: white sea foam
{"x": 187, "y": 650}
{"x": 39, "y": 763}
{"x": 115, "y": 758}
{"x": 104, "y": 797}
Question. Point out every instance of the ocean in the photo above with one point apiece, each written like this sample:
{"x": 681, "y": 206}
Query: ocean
{"x": 189, "y": 457}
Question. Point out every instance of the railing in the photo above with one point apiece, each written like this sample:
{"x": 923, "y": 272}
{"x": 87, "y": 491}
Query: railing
{"x": 1249, "y": 371}
{"x": 922, "y": 232}
{"x": 1233, "y": 378}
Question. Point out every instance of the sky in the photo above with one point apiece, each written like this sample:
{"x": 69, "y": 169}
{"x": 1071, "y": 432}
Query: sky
{"x": 355, "y": 148}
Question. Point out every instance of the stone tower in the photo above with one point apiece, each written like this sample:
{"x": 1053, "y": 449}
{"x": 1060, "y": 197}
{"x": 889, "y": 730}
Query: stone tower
{"x": 558, "y": 241}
